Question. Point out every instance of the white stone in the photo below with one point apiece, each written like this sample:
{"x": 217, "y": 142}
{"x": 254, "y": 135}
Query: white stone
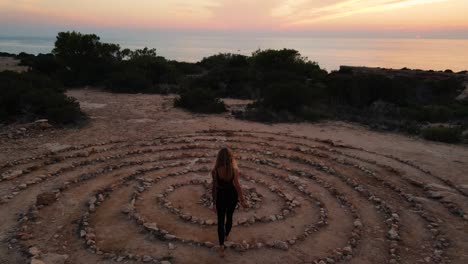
{"x": 348, "y": 250}
{"x": 358, "y": 223}
{"x": 151, "y": 226}
{"x": 169, "y": 237}
{"x": 393, "y": 234}
{"x": 280, "y": 245}
{"x": 34, "y": 251}
{"x": 147, "y": 259}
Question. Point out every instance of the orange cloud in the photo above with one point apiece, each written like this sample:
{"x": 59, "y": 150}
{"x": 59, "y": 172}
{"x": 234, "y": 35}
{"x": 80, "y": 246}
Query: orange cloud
{"x": 240, "y": 14}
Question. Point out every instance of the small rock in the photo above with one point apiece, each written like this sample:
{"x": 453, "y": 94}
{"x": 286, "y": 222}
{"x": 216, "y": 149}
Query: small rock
{"x": 171, "y": 246}
{"x": 34, "y": 251}
{"x": 242, "y": 221}
{"x": 52, "y": 258}
{"x": 11, "y": 175}
{"x": 209, "y": 244}
{"x": 37, "y": 261}
{"x": 434, "y": 194}
{"x": 280, "y": 245}
{"x": 393, "y": 234}
{"x": 228, "y": 244}
{"x": 169, "y": 237}
{"x": 92, "y": 200}
{"x": 147, "y": 258}
{"x": 42, "y": 123}
{"x": 348, "y": 250}
{"x": 358, "y": 223}
{"x": 151, "y": 226}
{"x": 126, "y": 209}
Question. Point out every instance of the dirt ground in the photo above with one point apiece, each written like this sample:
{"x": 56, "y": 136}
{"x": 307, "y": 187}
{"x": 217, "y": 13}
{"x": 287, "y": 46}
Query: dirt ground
{"x": 11, "y": 64}
{"x": 128, "y": 187}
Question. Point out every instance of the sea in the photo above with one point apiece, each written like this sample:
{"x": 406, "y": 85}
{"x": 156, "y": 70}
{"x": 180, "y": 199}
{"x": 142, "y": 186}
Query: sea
{"x": 329, "y": 53}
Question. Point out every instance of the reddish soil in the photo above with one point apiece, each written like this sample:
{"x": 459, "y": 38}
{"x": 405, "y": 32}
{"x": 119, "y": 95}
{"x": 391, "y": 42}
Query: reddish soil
{"x": 360, "y": 196}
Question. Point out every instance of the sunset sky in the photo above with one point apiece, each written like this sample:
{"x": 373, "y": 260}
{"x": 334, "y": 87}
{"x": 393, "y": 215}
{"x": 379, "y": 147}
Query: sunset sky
{"x": 418, "y": 16}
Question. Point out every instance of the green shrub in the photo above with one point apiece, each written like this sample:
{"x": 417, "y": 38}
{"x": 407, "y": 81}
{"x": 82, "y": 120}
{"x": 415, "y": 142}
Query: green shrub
{"x": 128, "y": 82}
{"x": 224, "y": 60}
{"x": 43, "y": 63}
{"x": 442, "y": 134}
{"x": 287, "y": 96}
{"x": 200, "y": 100}
{"x": 30, "y": 96}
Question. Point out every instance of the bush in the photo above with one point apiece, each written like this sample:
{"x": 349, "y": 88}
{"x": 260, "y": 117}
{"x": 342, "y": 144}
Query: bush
{"x": 128, "y": 82}
{"x": 224, "y": 60}
{"x": 287, "y": 96}
{"x": 200, "y": 101}
{"x": 43, "y": 63}
{"x": 30, "y": 96}
{"x": 6, "y": 54}
{"x": 442, "y": 134}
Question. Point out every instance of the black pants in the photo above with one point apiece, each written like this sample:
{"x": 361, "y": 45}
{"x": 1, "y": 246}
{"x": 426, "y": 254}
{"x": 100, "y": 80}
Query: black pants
{"x": 225, "y": 206}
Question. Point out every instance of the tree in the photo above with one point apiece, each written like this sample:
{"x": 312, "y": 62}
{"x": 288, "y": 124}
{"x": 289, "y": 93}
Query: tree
{"x": 88, "y": 60}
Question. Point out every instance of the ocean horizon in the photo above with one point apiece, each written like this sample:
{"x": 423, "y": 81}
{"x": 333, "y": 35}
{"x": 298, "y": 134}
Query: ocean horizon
{"x": 330, "y": 53}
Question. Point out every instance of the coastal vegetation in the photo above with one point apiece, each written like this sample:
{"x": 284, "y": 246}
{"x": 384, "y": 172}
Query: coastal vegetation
{"x": 30, "y": 96}
{"x": 284, "y": 87}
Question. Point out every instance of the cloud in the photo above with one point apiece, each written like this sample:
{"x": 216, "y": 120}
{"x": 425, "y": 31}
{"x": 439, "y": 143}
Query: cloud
{"x": 303, "y": 12}
{"x": 232, "y": 14}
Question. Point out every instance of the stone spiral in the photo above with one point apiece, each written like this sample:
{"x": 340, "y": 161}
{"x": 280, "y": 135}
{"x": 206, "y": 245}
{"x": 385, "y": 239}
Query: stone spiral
{"x": 313, "y": 201}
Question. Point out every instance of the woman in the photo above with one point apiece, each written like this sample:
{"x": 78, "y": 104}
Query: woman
{"x": 226, "y": 192}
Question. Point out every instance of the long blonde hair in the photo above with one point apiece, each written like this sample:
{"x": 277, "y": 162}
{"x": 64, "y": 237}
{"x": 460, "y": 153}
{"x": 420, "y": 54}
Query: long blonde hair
{"x": 225, "y": 159}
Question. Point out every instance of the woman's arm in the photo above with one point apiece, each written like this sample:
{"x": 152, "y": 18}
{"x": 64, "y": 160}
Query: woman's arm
{"x": 239, "y": 188}
{"x": 214, "y": 188}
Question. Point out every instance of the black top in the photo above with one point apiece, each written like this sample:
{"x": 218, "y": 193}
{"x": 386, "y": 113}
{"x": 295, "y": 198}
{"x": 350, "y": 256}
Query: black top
{"x": 221, "y": 187}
